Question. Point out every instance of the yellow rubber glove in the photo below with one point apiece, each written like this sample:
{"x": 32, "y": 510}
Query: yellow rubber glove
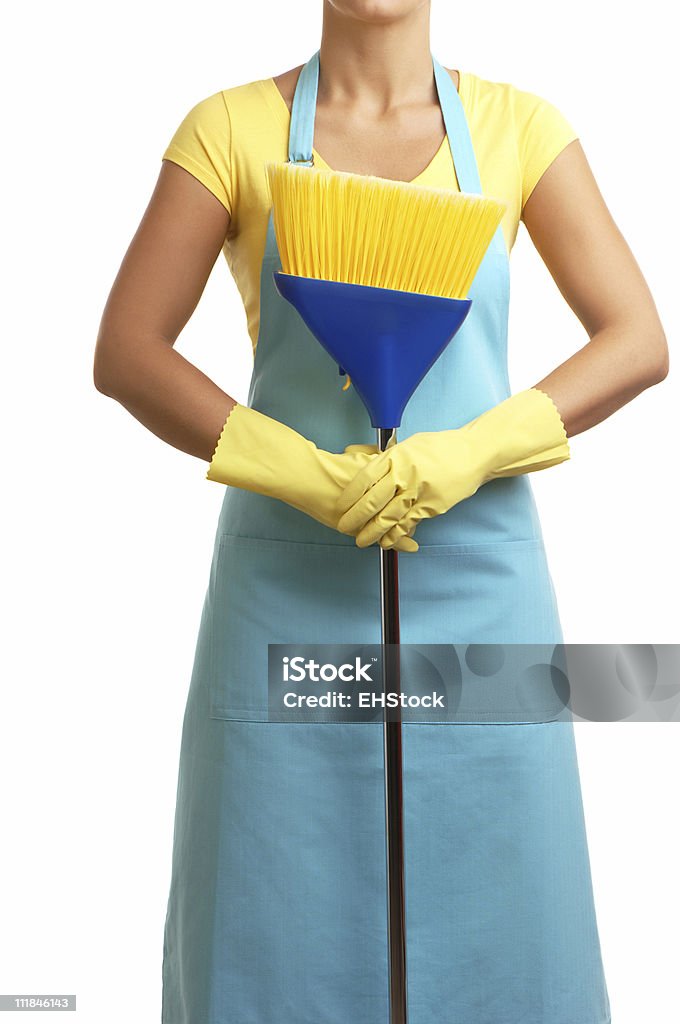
{"x": 258, "y": 453}
{"x": 430, "y": 472}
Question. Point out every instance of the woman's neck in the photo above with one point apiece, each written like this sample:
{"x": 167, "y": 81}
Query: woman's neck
{"x": 377, "y": 64}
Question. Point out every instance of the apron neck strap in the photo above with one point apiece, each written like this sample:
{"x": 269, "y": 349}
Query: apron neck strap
{"x": 301, "y": 135}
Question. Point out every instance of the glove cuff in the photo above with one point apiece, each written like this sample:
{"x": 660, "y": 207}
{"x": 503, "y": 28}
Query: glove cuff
{"x": 522, "y": 434}
{"x": 255, "y": 452}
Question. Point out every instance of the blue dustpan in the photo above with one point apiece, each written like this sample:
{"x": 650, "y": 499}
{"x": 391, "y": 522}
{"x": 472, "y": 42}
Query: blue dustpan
{"x": 386, "y": 340}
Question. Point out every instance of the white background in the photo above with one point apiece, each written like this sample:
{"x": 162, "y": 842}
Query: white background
{"x": 108, "y": 531}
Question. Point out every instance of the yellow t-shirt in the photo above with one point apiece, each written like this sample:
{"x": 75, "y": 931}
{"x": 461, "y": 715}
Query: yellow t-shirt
{"x": 226, "y": 139}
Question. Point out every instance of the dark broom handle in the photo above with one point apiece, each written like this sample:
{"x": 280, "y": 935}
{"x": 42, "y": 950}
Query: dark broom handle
{"x": 394, "y": 812}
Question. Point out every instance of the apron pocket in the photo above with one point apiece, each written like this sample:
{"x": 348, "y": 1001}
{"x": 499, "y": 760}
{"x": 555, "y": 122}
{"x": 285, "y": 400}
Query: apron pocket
{"x": 496, "y": 603}
{"x": 480, "y": 593}
{"x": 265, "y": 591}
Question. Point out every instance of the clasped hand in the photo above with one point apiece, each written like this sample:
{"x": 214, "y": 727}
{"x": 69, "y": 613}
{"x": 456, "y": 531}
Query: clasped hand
{"x": 417, "y": 478}
{"x": 382, "y": 496}
{"x": 428, "y": 473}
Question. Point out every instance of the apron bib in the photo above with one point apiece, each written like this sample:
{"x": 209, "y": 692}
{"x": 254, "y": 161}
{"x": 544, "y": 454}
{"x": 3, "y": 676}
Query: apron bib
{"x": 276, "y": 912}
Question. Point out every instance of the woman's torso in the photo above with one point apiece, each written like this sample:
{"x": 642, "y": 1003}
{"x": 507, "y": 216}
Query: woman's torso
{"x": 226, "y": 138}
{"x": 295, "y": 382}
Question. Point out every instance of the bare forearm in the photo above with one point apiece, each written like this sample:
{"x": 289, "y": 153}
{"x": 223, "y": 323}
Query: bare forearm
{"x": 167, "y": 394}
{"x": 618, "y": 363}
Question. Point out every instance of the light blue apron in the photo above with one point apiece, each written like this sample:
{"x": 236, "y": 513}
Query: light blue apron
{"x": 277, "y": 907}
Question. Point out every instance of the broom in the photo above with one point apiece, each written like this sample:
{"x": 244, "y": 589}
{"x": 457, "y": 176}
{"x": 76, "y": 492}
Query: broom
{"x": 380, "y": 271}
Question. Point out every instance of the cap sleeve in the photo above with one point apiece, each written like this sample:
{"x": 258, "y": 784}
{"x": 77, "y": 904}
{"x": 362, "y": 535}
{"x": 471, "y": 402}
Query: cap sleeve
{"x": 202, "y": 145}
{"x": 542, "y": 133}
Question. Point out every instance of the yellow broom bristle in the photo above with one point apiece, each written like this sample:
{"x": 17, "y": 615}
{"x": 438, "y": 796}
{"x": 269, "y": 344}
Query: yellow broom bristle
{"x": 363, "y": 229}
